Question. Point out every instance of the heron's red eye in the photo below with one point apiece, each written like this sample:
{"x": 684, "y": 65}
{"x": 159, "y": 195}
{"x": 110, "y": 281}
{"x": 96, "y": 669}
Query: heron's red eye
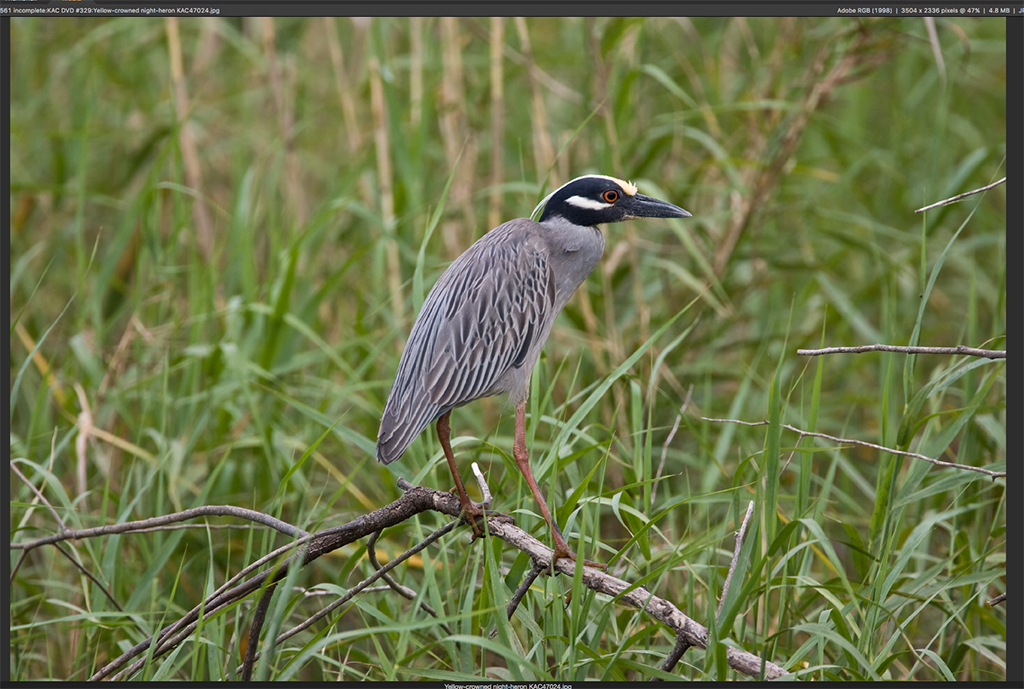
{"x": 611, "y": 196}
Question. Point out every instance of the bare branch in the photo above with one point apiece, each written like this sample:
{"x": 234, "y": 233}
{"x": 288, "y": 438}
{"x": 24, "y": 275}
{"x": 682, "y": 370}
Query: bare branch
{"x": 668, "y": 441}
{"x": 149, "y": 524}
{"x": 81, "y": 568}
{"x": 313, "y": 546}
{"x": 416, "y": 500}
{"x": 482, "y": 482}
{"x": 658, "y": 608}
{"x": 862, "y": 443}
{"x": 517, "y": 597}
{"x": 959, "y": 349}
{"x": 735, "y": 555}
{"x": 41, "y": 498}
{"x": 674, "y": 656}
{"x": 954, "y": 199}
{"x": 682, "y": 645}
{"x": 254, "y": 632}
{"x": 403, "y": 591}
{"x": 365, "y": 583}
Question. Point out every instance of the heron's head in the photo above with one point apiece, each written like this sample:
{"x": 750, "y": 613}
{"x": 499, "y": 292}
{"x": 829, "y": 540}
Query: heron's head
{"x": 598, "y": 199}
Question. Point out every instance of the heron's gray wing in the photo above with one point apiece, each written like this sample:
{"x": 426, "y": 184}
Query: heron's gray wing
{"x": 497, "y": 304}
{"x": 409, "y": 409}
{"x": 485, "y": 315}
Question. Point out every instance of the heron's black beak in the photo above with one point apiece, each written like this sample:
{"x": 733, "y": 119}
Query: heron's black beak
{"x": 640, "y": 206}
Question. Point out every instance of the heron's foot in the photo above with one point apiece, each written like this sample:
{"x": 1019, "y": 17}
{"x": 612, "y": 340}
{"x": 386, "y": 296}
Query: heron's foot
{"x": 475, "y": 515}
{"x": 562, "y": 550}
{"x": 478, "y": 519}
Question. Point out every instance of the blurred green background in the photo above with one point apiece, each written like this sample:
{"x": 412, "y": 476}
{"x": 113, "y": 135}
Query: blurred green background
{"x": 221, "y": 232}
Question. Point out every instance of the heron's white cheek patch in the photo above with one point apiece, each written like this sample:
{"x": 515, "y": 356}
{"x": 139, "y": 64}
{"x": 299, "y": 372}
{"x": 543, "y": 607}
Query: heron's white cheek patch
{"x": 589, "y": 204}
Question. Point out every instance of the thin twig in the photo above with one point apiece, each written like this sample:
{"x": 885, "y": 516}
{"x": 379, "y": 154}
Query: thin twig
{"x": 254, "y": 632}
{"x": 735, "y": 556}
{"x": 681, "y": 644}
{"x": 149, "y": 524}
{"x": 482, "y": 482}
{"x": 81, "y": 568}
{"x": 517, "y": 597}
{"x": 960, "y": 349}
{"x": 172, "y": 635}
{"x": 668, "y": 441}
{"x": 954, "y": 199}
{"x": 674, "y": 656}
{"x": 363, "y": 586}
{"x": 403, "y": 591}
{"x": 56, "y": 517}
{"x": 936, "y": 462}
{"x": 310, "y": 548}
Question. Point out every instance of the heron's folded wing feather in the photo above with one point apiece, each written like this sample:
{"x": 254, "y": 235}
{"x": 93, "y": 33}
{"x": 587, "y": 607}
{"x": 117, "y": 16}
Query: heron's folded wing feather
{"x": 496, "y": 306}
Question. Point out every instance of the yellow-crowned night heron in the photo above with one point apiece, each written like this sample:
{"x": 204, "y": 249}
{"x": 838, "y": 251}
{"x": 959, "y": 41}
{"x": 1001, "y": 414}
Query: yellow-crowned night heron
{"x": 482, "y": 326}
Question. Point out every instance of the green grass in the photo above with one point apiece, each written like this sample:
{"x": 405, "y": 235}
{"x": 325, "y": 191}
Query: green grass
{"x": 337, "y": 192}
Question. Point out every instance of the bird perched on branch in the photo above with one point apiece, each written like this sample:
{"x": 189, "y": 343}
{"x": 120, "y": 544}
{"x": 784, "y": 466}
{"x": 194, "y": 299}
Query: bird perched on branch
{"x": 482, "y": 326}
